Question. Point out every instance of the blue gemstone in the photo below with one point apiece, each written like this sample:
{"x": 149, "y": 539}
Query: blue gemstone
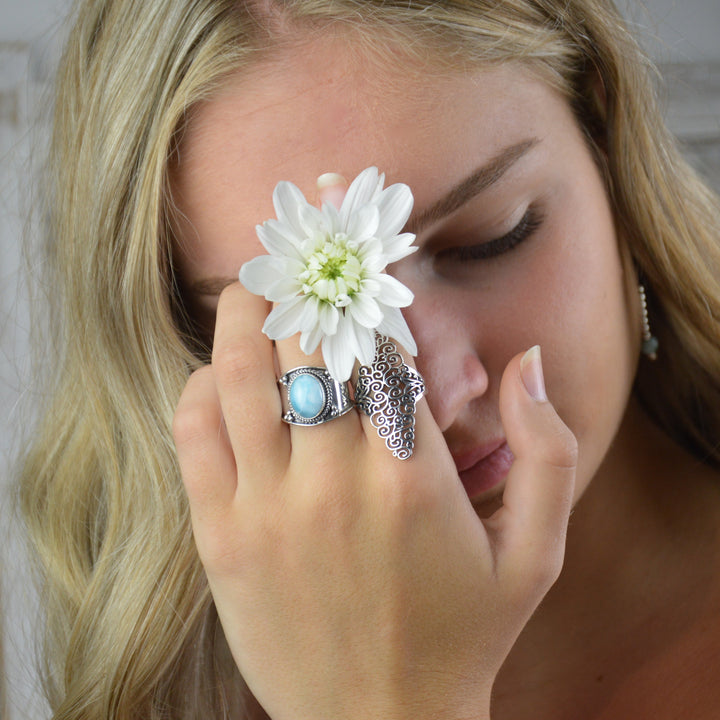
{"x": 650, "y": 346}
{"x": 307, "y": 396}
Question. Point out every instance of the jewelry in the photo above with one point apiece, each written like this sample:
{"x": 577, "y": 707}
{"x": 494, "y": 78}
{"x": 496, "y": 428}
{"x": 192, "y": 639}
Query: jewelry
{"x": 313, "y": 397}
{"x": 387, "y": 392}
{"x": 650, "y": 342}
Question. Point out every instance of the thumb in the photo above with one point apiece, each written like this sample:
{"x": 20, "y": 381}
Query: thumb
{"x": 539, "y": 487}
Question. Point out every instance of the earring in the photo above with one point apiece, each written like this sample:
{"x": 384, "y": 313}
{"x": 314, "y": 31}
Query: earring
{"x": 650, "y": 342}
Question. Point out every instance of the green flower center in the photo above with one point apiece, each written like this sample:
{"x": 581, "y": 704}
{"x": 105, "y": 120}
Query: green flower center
{"x": 333, "y": 267}
{"x": 333, "y": 270}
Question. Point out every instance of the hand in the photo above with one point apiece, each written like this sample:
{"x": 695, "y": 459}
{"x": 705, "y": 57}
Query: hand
{"x": 351, "y": 584}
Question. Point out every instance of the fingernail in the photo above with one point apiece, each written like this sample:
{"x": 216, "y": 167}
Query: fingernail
{"x": 332, "y": 188}
{"x": 328, "y": 179}
{"x": 531, "y": 373}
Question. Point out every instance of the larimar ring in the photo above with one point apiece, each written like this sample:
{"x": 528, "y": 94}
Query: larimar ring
{"x": 387, "y": 392}
{"x": 313, "y": 396}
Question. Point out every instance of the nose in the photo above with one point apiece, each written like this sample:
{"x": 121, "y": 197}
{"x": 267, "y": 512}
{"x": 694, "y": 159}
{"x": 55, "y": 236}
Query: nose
{"x": 447, "y": 358}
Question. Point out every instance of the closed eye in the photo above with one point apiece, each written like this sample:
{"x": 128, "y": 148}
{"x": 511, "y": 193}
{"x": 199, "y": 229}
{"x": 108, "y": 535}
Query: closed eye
{"x": 529, "y": 223}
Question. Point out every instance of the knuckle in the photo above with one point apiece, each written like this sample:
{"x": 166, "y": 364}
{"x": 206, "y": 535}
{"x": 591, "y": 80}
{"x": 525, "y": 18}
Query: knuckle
{"x": 195, "y": 414}
{"x": 238, "y": 363}
{"x": 536, "y": 573}
{"x": 219, "y": 551}
{"x": 188, "y": 426}
{"x": 229, "y": 298}
{"x": 561, "y": 449}
{"x": 406, "y": 496}
{"x": 333, "y": 499}
{"x": 545, "y": 561}
{"x": 546, "y": 569}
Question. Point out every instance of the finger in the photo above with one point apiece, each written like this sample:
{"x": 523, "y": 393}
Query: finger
{"x": 328, "y": 439}
{"x": 243, "y": 364}
{"x": 331, "y": 189}
{"x": 539, "y": 487}
{"x": 428, "y": 442}
{"x": 204, "y": 453}
{"x": 338, "y": 432}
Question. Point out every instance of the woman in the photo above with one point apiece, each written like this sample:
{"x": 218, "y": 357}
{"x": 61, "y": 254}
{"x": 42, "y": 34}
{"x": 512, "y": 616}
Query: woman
{"x": 349, "y": 583}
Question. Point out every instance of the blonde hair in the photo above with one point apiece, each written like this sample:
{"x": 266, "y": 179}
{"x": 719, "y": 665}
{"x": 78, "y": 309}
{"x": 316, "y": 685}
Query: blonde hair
{"x": 131, "y": 629}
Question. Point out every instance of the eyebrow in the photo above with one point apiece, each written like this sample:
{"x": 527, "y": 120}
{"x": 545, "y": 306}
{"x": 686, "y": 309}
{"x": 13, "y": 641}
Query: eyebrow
{"x": 475, "y": 183}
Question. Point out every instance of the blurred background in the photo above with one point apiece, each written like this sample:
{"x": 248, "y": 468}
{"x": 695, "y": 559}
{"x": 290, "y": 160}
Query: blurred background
{"x": 682, "y": 36}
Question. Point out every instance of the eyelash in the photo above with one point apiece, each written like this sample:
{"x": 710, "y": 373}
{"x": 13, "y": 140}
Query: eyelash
{"x": 529, "y": 223}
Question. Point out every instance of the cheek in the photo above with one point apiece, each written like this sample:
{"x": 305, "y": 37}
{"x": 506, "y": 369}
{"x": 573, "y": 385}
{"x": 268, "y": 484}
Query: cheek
{"x": 588, "y": 336}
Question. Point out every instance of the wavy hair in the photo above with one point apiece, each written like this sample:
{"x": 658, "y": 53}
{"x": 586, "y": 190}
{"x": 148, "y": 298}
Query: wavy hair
{"x": 131, "y": 628}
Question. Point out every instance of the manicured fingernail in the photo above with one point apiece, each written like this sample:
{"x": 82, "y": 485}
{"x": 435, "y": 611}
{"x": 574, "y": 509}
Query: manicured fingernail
{"x": 532, "y": 374}
{"x": 332, "y": 188}
{"x": 328, "y": 179}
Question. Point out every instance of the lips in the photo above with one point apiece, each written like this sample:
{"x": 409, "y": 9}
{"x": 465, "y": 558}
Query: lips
{"x": 484, "y": 468}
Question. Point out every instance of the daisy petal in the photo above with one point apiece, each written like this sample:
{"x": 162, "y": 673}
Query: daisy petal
{"x": 261, "y": 272}
{"x": 371, "y": 287}
{"x": 373, "y": 246}
{"x": 363, "y": 224}
{"x": 283, "y": 289}
{"x": 360, "y": 193}
{"x": 287, "y": 200}
{"x": 398, "y": 247}
{"x": 393, "y": 292}
{"x": 351, "y": 332}
{"x": 395, "y": 204}
{"x": 332, "y": 218}
{"x": 394, "y": 326}
{"x": 312, "y": 220}
{"x": 278, "y": 239}
{"x": 365, "y": 345}
{"x": 328, "y": 318}
{"x": 378, "y": 187}
{"x": 310, "y": 340}
{"x": 310, "y": 314}
{"x": 337, "y": 352}
{"x": 283, "y": 320}
{"x": 365, "y": 311}
{"x": 374, "y": 263}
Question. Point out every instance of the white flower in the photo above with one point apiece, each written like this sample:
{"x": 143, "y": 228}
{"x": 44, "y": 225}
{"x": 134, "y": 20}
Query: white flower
{"x": 326, "y": 270}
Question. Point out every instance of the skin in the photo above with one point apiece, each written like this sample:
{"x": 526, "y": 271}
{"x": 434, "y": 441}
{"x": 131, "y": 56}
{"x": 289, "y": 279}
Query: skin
{"x": 276, "y": 514}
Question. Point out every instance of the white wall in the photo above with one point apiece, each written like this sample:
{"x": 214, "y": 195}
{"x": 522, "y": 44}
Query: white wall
{"x": 27, "y": 19}
{"x": 676, "y": 31}
{"x": 27, "y": 48}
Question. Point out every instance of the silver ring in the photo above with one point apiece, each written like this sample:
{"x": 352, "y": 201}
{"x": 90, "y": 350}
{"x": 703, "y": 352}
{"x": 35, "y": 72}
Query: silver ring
{"x": 313, "y": 396}
{"x": 387, "y": 392}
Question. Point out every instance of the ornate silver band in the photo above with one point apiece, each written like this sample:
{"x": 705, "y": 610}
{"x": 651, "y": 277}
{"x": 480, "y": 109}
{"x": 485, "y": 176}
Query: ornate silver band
{"x": 387, "y": 392}
{"x": 313, "y": 396}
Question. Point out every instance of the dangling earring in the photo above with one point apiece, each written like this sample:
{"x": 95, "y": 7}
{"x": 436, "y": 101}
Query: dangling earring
{"x": 650, "y": 342}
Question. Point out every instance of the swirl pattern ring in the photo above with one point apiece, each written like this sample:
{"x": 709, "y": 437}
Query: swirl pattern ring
{"x": 387, "y": 392}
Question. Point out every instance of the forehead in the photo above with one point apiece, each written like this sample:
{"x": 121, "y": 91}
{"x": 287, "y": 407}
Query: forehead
{"x": 321, "y": 107}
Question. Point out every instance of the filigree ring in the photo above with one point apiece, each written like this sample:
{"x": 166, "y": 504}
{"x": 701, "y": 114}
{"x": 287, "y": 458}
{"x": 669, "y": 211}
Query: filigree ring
{"x": 313, "y": 396}
{"x": 387, "y": 392}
